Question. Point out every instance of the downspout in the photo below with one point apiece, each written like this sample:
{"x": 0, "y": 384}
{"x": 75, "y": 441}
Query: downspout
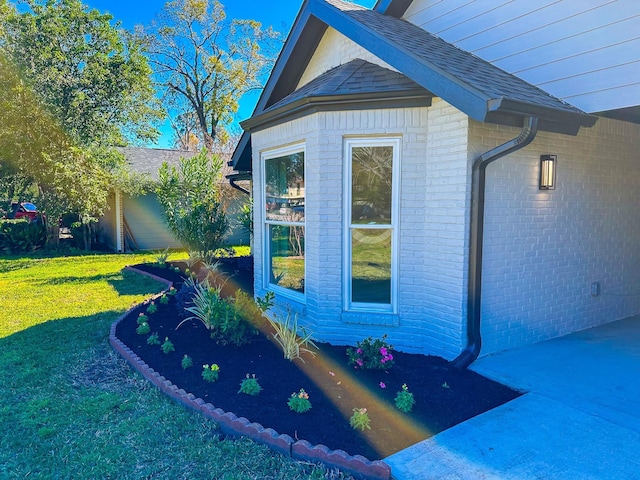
{"x": 474, "y": 289}
{"x": 233, "y": 183}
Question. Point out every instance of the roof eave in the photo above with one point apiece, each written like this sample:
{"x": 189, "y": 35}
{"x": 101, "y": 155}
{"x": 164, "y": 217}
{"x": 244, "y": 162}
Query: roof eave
{"x": 552, "y": 120}
{"x": 361, "y": 101}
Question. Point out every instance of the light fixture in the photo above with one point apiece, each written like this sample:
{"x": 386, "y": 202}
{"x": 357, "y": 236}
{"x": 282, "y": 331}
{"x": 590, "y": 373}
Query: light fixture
{"x": 548, "y": 172}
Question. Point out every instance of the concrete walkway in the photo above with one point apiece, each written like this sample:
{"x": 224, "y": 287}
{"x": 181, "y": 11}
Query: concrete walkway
{"x": 579, "y": 420}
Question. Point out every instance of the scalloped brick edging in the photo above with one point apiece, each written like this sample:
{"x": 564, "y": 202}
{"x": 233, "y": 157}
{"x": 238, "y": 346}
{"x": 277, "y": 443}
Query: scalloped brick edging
{"x": 230, "y": 424}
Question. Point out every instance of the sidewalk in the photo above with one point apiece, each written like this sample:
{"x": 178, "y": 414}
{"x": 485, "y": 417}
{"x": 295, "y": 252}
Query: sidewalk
{"x": 579, "y": 420}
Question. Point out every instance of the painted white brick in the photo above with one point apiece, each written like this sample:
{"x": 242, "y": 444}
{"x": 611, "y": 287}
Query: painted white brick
{"x": 432, "y": 224}
{"x": 543, "y": 249}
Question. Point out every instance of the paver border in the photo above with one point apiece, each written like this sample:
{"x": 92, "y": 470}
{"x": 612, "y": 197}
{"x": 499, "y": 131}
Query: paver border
{"x": 232, "y": 425}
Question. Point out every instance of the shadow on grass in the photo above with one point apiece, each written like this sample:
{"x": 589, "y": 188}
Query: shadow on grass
{"x": 123, "y": 282}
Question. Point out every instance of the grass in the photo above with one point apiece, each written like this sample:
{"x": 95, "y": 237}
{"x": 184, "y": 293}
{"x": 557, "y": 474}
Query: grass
{"x": 72, "y": 408}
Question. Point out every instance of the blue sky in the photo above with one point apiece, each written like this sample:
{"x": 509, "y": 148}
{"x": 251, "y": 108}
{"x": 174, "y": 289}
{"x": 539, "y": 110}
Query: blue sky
{"x": 278, "y": 13}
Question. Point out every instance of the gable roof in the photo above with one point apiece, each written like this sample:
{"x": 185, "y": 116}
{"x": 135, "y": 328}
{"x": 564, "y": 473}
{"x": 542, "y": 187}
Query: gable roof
{"x": 356, "y": 84}
{"x": 474, "y": 86}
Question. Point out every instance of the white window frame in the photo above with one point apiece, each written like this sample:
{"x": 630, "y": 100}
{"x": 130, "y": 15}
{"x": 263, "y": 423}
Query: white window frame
{"x": 266, "y": 245}
{"x": 349, "y": 143}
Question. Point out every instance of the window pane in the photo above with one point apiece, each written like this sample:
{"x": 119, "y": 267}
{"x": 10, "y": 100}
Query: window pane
{"x": 371, "y": 265}
{"x": 286, "y": 245}
{"x": 285, "y": 188}
{"x": 371, "y": 174}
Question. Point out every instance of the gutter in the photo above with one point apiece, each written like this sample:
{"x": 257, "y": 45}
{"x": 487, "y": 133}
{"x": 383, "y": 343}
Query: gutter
{"x": 236, "y": 177}
{"x": 474, "y": 288}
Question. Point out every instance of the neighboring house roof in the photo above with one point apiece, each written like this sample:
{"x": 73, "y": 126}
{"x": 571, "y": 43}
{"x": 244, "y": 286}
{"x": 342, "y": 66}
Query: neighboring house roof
{"x": 356, "y": 84}
{"x": 474, "y": 86}
{"x": 147, "y": 161}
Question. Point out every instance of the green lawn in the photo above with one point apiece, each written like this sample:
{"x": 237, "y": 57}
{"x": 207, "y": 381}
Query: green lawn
{"x": 72, "y": 408}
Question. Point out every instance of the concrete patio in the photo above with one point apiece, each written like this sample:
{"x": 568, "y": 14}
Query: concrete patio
{"x": 580, "y": 417}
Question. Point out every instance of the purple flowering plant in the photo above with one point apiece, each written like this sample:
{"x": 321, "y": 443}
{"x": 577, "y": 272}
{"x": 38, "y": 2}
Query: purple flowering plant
{"x": 371, "y": 354}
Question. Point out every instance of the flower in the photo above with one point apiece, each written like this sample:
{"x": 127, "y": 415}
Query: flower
{"x": 383, "y": 385}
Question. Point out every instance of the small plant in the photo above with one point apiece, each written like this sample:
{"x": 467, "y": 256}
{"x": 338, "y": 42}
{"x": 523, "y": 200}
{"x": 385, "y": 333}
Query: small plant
{"x": 250, "y": 386}
{"x": 186, "y": 362}
{"x": 152, "y": 308}
{"x": 167, "y": 346}
{"x": 219, "y": 316}
{"x": 164, "y": 299}
{"x": 299, "y": 402}
{"x": 371, "y": 354}
{"x": 292, "y": 339}
{"x": 142, "y": 318}
{"x": 404, "y": 399}
{"x": 172, "y": 291}
{"x": 266, "y": 302}
{"x": 143, "y": 329}
{"x": 176, "y": 269}
{"x": 162, "y": 257}
{"x": 445, "y": 385}
{"x": 360, "y": 419}
{"x": 210, "y": 373}
{"x": 153, "y": 339}
{"x": 193, "y": 259}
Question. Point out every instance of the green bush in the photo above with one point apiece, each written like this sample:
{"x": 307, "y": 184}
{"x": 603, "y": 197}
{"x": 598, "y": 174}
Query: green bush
{"x": 219, "y": 316}
{"x": 191, "y": 200}
{"x": 21, "y": 236}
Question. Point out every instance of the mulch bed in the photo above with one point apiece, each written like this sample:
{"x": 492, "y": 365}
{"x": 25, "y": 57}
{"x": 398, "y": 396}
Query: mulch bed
{"x": 444, "y": 396}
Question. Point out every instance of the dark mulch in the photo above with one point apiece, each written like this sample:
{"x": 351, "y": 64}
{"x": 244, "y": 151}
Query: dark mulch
{"x": 444, "y": 396}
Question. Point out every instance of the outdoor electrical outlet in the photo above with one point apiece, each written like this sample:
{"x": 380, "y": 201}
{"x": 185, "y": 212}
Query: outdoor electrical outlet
{"x": 595, "y": 289}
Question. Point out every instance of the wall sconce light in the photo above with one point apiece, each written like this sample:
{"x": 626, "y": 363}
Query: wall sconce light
{"x": 548, "y": 172}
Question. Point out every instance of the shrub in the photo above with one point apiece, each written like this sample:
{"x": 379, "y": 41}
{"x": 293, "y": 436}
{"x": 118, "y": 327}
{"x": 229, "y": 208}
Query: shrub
{"x": 360, "y": 419}
{"x": 186, "y": 362}
{"x": 404, "y": 399}
{"x": 250, "y": 386}
{"x": 167, "y": 346}
{"x": 191, "y": 200}
{"x": 143, "y": 329}
{"x": 218, "y": 316}
{"x": 21, "y": 236}
{"x": 292, "y": 339}
{"x": 371, "y": 354}
{"x": 299, "y": 402}
{"x": 210, "y": 373}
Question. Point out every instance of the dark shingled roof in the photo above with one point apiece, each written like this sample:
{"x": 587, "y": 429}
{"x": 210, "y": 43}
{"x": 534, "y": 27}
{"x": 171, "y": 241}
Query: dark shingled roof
{"x": 452, "y": 61}
{"x": 356, "y": 77}
{"x": 481, "y": 90}
{"x": 147, "y": 161}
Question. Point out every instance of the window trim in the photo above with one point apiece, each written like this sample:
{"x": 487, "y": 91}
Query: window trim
{"x": 349, "y": 144}
{"x": 266, "y": 244}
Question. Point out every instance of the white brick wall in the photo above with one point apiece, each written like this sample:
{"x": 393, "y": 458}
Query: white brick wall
{"x": 333, "y": 50}
{"x": 543, "y": 249}
{"x": 433, "y": 241}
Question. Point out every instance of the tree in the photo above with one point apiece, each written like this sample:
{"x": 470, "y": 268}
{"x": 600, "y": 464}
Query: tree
{"x": 90, "y": 75}
{"x": 71, "y": 86}
{"x": 191, "y": 201}
{"x": 205, "y": 63}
